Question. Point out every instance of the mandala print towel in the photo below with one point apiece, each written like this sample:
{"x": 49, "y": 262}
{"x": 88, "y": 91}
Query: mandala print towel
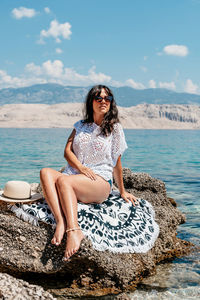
{"x": 114, "y": 225}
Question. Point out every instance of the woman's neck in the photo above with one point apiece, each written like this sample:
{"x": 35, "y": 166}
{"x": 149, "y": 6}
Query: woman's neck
{"x": 98, "y": 120}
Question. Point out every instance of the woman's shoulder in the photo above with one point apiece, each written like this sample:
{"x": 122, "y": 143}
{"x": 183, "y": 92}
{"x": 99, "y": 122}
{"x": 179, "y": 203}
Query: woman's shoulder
{"x": 117, "y": 127}
{"x": 79, "y": 124}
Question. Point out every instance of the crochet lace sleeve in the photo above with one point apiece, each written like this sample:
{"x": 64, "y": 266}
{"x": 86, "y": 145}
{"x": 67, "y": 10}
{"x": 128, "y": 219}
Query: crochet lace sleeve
{"x": 119, "y": 144}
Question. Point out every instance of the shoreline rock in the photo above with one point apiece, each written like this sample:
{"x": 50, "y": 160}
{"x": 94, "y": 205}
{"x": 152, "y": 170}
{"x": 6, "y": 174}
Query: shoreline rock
{"x": 27, "y": 250}
{"x": 11, "y": 287}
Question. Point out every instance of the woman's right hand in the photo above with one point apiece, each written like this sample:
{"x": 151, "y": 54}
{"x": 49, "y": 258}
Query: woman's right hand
{"x": 88, "y": 172}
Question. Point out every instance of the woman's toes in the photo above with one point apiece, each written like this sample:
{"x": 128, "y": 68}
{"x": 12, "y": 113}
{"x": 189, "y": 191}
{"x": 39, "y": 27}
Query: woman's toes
{"x": 67, "y": 256}
{"x": 54, "y": 241}
{"x": 74, "y": 239}
{"x": 58, "y": 235}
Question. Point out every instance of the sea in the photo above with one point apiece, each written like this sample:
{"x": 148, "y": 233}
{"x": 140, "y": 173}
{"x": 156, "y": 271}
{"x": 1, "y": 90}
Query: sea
{"x": 172, "y": 156}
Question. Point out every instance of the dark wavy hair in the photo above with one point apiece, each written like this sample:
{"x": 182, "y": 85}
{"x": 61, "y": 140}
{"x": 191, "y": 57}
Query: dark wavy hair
{"x": 110, "y": 118}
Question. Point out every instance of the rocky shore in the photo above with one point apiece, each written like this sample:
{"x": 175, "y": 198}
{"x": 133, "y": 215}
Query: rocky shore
{"x": 26, "y": 251}
{"x": 11, "y": 288}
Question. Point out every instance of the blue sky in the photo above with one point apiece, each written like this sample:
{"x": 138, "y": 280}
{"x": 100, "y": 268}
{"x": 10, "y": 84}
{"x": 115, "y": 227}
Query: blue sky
{"x": 137, "y": 43}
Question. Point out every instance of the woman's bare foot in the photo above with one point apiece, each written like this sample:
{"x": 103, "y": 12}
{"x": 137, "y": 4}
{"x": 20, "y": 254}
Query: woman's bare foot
{"x": 74, "y": 238}
{"x": 58, "y": 235}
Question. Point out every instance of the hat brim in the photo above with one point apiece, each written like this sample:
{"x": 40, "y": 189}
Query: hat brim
{"x": 34, "y": 197}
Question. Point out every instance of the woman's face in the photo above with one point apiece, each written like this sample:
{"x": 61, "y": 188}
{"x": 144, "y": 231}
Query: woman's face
{"x": 101, "y": 108}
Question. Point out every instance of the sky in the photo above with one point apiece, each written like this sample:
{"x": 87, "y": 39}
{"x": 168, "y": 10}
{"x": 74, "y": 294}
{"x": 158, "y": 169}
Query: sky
{"x": 137, "y": 43}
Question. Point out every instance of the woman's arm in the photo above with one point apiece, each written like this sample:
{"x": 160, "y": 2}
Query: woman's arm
{"x": 73, "y": 160}
{"x": 118, "y": 176}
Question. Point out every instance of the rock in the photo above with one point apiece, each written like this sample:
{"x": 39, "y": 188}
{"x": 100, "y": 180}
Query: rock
{"x": 11, "y": 288}
{"x": 90, "y": 272}
{"x": 122, "y": 296}
{"x": 22, "y": 238}
{"x": 36, "y": 188}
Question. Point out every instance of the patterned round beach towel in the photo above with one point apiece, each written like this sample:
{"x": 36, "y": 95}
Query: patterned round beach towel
{"x": 114, "y": 225}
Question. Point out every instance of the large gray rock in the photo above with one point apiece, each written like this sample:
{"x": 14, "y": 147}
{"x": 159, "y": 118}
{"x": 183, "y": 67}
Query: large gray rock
{"x": 12, "y": 288}
{"x": 26, "y": 249}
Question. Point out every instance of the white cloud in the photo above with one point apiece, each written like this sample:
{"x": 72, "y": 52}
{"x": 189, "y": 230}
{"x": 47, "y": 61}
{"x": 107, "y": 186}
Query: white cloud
{"x": 59, "y": 51}
{"x": 71, "y": 77}
{"x": 152, "y": 84}
{"x": 190, "y": 87}
{"x": 54, "y": 72}
{"x": 167, "y": 85}
{"x": 32, "y": 68}
{"x": 98, "y": 77}
{"x": 136, "y": 85}
{"x": 7, "y": 81}
{"x": 53, "y": 69}
{"x": 48, "y": 69}
{"x": 177, "y": 50}
{"x": 23, "y": 12}
{"x": 145, "y": 57}
{"x": 47, "y": 10}
{"x": 56, "y": 31}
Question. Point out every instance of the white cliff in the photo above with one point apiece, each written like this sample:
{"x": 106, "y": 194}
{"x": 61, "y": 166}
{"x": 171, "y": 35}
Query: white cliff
{"x": 142, "y": 116}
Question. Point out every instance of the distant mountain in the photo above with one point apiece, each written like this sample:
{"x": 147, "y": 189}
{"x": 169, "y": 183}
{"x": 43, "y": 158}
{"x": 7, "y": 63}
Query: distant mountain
{"x": 125, "y": 96}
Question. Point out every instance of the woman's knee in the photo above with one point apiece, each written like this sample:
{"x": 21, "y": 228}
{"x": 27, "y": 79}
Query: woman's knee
{"x": 62, "y": 181}
{"x": 44, "y": 173}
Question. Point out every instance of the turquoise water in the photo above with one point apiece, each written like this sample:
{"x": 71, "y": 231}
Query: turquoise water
{"x": 169, "y": 155}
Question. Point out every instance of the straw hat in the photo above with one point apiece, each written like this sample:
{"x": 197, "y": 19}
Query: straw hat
{"x": 18, "y": 191}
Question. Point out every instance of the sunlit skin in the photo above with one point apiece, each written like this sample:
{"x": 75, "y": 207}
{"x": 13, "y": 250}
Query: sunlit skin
{"x": 100, "y": 109}
{"x": 62, "y": 192}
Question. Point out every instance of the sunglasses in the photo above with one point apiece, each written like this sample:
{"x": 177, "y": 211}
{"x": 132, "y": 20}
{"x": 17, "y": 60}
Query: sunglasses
{"x": 100, "y": 99}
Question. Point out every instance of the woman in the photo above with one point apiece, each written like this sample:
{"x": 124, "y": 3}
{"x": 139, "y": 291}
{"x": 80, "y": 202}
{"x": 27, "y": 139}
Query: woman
{"x": 93, "y": 152}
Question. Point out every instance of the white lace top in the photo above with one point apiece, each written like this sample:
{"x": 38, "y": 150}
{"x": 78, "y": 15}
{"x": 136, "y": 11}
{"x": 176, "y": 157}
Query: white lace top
{"x": 97, "y": 152}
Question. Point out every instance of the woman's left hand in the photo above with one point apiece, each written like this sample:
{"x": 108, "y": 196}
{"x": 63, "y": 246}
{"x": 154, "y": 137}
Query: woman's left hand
{"x": 129, "y": 197}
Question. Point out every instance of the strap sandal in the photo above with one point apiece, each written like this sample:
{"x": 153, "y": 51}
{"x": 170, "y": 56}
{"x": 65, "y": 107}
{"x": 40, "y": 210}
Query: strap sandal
{"x": 73, "y": 229}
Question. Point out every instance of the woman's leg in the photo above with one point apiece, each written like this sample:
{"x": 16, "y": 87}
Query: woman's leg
{"x": 71, "y": 189}
{"x": 48, "y": 179}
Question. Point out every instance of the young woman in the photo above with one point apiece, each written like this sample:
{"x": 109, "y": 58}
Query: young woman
{"x": 93, "y": 152}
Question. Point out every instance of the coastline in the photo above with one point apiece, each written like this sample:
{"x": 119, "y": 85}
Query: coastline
{"x": 64, "y": 115}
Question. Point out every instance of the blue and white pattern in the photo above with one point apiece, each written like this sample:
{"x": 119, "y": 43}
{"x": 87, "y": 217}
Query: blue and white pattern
{"x": 114, "y": 225}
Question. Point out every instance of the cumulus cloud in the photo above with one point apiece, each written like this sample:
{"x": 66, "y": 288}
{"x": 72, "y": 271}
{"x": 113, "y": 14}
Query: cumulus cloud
{"x": 57, "y": 31}
{"x": 152, "y": 84}
{"x": 136, "y": 85}
{"x": 167, "y": 85}
{"x": 49, "y": 69}
{"x": 53, "y": 69}
{"x": 7, "y": 81}
{"x": 98, "y": 77}
{"x": 59, "y": 51}
{"x": 190, "y": 87}
{"x": 32, "y": 68}
{"x": 47, "y": 10}
{"x": 23, "y": 12}
{"x": 177, "y": 50}
{"x": 53, "y": 72}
